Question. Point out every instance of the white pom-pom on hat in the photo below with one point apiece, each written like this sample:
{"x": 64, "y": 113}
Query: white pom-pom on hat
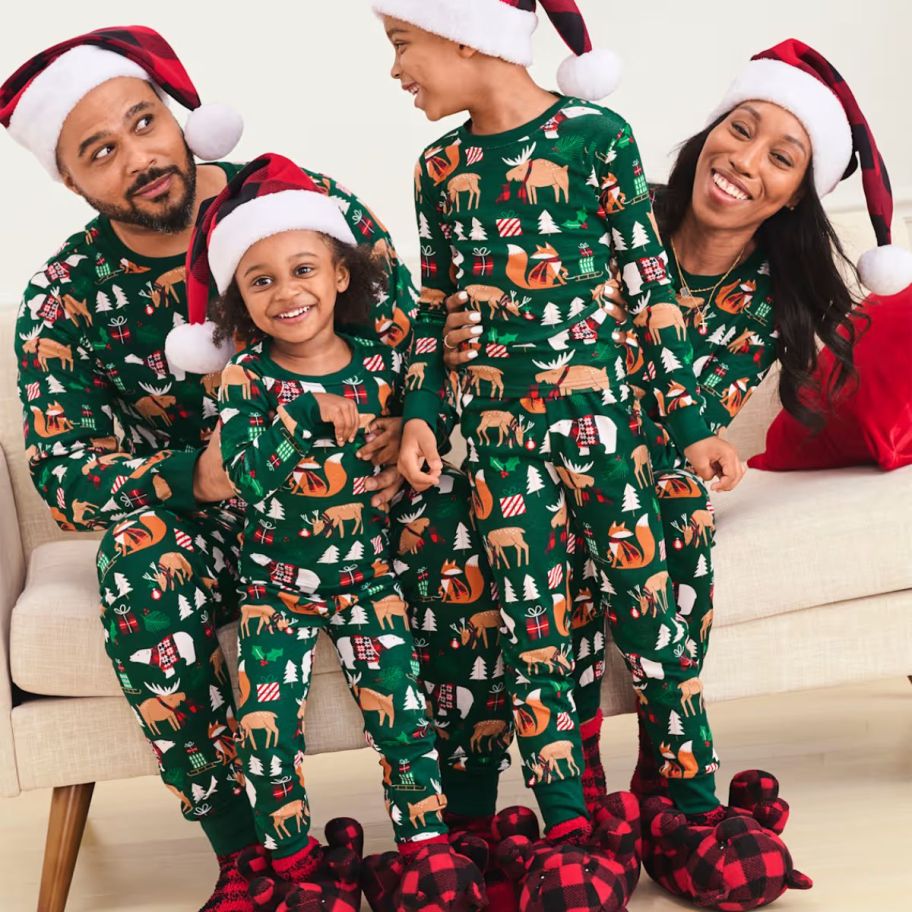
{"x": 886, "y": 270}
{"x": 592, "y": 76}
{"x": 191, "y": 348}
{"x": 213, "y": 130}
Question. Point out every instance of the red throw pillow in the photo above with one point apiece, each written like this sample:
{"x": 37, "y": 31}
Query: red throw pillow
{"x": 871, "y": 421}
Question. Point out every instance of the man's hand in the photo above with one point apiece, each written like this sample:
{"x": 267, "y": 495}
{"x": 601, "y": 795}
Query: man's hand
{"x": 341, "y": 413}
{"x": 386, "y": 483}
{"x": 714, "y": 457}
{"x": 460, "y": 332}
{"x": 210, "y": 480}
{"x": 419, "y": 460}
{"x": 383, "y": 438}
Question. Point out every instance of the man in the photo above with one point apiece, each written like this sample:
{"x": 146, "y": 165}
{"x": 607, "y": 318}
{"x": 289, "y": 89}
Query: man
{"x": 119, "y": 441}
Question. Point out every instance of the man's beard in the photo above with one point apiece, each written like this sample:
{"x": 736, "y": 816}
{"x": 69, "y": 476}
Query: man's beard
{"x": 176, "y": 218}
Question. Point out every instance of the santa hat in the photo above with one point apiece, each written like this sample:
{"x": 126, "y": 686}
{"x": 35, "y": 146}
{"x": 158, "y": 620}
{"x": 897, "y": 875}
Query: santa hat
{"x": 36, "y": 100}
{"x": 799, "y": 79}
{"x": 269, "y": 196}
{"x": 503, "y": 28}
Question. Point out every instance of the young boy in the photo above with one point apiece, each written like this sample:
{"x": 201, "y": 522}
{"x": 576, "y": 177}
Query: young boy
{"x": 520, "y": 210}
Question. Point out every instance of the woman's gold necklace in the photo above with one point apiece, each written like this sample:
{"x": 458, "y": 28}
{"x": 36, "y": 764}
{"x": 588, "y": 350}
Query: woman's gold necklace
{"x": 687, "y": 297}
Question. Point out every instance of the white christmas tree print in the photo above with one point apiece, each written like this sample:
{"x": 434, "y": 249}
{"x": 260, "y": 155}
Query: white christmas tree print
{"x": 617, "y": 240}
{"x": 670, "y": 361}
{"x": 577, "y": 306}
{"x": 479, "y": 670}
{"x": 430, "y": 621}
{"x": 276, "y": 510}
{"x": 275, "y": 767}
{"x": 123, "y": 586}
{"x": 675, "y": 725}
{"x": 102, "y": 303}
{"x": 413, "y": 700}
{"x": 358, "y": 616}
{"x": 583, "y": 649}
{"x": 269, "y": 843}
{"x": 199, "y": 598}
{"x": 498, "y": 667}
{"x": 530, "y": 590}
{"x": 291, "y": 673}
{"x": 356, "y": 552}
{"x": 592, "y": 180}
{"x": 215, "y": 698}
{"x": 598, "y": 642}
{"x": 664, "y": 637}
{"x": 255, "y": 766}
{"x": 702, "y": 569}
{"x": 185, "y": 609}
{"x": 640, "y": 237}
{"x": 723, "y": 335}
{"x": 509, "y": 595}
{"x": 546, "y": 223}
{"x": 459, "y": 231}
{"x": 424, "y": 228}
{"x": 463, "y": 541}
{"x": 54, "y": 385}
{"x": 534, "y": 482}
{"x": 631, "y": 500}
{"x": 478, "y": 232}
{"x": 472, "y": 452}
{"x": 551, "y": 315}
{"x": 330, "y": 556}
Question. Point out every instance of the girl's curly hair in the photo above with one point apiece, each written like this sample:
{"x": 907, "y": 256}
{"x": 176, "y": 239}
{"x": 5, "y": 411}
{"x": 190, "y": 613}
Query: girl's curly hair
{"x": 353, "y": 306}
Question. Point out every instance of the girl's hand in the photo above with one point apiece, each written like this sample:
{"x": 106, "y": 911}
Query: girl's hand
{"x": 460, "y": 332}
{"x": 383, "y": 438}
{"x": 417, "y": 453}
{"x": 341, "y": 413}
{"x": 716, "y": 458}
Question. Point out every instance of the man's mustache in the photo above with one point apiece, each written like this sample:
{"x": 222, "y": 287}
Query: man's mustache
{"x": 150, "y": 176}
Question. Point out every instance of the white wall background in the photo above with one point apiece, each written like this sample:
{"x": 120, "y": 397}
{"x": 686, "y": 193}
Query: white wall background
{"x": 311, "y": 79}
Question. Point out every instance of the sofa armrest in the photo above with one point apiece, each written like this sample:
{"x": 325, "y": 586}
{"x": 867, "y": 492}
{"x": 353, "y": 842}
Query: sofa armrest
{"x": 12, "y": 579}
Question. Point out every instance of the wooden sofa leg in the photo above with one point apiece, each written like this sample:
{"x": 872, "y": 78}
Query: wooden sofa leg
{"x": 69, "y": 810}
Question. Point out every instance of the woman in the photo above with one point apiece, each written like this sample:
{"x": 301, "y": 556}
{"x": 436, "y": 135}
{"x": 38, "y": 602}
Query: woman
{"x": 760, "y": 272}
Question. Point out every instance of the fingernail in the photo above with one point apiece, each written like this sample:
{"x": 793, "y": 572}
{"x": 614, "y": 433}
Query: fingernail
{"x": 475, "y": 316}
{"x": 472, "y": 354}
{"x": 463, "y": 296}
{"x": 475, "y": 330}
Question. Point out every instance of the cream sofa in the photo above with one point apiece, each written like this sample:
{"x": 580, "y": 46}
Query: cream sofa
{"x": 814, "y": 588}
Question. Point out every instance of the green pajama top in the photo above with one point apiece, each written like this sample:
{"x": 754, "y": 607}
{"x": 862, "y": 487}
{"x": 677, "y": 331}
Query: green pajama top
{"x": 109, "y": 427}
{"x": 309, "y": 527}
{"x": 527, "y": 222}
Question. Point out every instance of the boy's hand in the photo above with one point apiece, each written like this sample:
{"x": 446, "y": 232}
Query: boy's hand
{"x": 460, "y": 332}
{"x": 714, "y": 457}
{"x": 341, "y": 413}
{"x": 383, "y": 438}
{"x": 419, "y": 460}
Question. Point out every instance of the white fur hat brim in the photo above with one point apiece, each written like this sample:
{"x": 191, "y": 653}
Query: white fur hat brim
{"x": 489, "y": 26}
{"x": 287, "y": 210}
{"x": 819, "y": 110}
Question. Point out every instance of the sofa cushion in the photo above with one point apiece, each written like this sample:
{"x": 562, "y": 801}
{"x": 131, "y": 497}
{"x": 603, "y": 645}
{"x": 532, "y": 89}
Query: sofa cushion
{"x": 785, "y": 542}
{"x": 56, "y": 640}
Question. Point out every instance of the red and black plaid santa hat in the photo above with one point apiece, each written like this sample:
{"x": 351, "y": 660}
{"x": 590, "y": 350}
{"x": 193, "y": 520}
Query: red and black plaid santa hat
{"x": 269, "y": 196}
{"x": 799, "y": 79}
{"x": 503, "y": 28}
{"x": 36, "y": 99}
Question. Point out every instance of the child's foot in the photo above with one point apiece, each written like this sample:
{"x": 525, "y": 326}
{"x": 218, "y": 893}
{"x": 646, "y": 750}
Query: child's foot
{"x": 430, "y": 877}
{"x": 231, "y": 889}
{"x": 581, "y": 865}
{"x": 646, "y": 780}
{"x": 730, "y": 858}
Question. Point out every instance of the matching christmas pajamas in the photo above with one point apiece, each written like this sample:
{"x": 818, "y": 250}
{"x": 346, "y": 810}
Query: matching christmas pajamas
{"x": 525, "y": 223}
{"x": 112, "y": 438}
{"x": 315, "y": 555}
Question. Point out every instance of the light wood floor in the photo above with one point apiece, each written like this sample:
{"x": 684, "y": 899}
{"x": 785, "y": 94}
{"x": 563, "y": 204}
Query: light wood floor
{"x": 843, "y": 756}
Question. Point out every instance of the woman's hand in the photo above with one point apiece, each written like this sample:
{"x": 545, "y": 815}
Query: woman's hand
{"x": 384, "y": 436}
{"x": 714, "y": 457}
{"x": 419, "y": 460}
{"x": 341, "y": 413}
{"x": 460, "y": 332}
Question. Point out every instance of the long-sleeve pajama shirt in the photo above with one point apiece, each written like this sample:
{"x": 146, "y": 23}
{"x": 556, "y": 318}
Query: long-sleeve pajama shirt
{"x": 526, "y": 223}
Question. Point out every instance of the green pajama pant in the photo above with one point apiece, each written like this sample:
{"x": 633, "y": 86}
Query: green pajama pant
{"x": 579, "y": 472}
{"x": 375, "y": 648}
{"x": 455, "y": 619}
{"x": 167, "y": 583}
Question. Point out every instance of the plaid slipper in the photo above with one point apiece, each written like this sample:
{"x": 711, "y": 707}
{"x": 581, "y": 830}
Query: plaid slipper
{"x": 585, "y": 869}
{"x": 731, "y": 859}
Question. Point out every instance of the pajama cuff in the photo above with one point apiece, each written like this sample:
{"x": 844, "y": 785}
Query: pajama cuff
{"x": 422, "y": 404}
{"x": 560, "y": 801}
{"x": 694, "y": 796}
{"x": 231, "y": 830}
{"x": 470, "y": 794}
{"x": 177, "y": 470}
{"x": 686, "y": 426}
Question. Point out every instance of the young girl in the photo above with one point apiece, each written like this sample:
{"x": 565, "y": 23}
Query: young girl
{"x": 315, "y": 553}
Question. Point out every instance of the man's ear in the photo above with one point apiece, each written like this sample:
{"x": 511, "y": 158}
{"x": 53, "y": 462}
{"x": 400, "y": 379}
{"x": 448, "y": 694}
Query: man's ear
{"x": 68, "y": 182}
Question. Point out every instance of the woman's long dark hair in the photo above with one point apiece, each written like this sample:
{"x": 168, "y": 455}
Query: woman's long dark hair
{"x": 812, "y": 300}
